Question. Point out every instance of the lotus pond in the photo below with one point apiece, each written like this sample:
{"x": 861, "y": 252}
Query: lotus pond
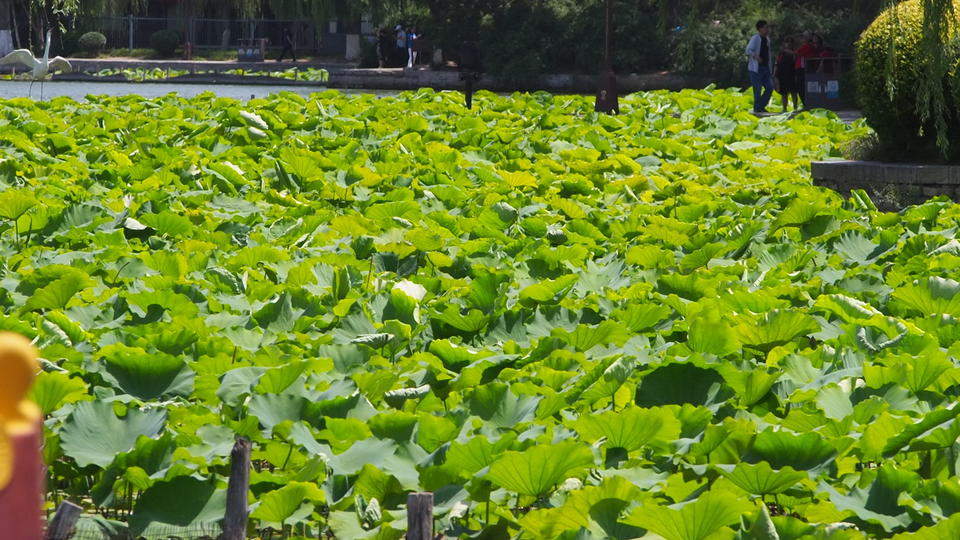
{"x": 564, "y": 325}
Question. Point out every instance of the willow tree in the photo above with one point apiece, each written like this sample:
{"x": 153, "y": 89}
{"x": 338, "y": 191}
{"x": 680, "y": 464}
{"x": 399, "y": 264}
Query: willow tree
{"x": 935, "y": 47}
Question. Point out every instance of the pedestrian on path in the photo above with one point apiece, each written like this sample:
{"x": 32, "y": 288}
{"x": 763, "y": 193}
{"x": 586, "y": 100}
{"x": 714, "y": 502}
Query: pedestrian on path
{"x": 760, "y": 65}
{"x": 288, "y": 46}
{"x": 411, "y": 51}
{"x": 785, "y": 75}
{"x": 401, "y": 36}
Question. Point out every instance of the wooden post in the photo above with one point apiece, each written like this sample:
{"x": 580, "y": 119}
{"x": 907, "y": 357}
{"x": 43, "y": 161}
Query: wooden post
{"x": 63, "y": 522}
{"x": 235, "y": 521}
{"x": 420, "y": 516}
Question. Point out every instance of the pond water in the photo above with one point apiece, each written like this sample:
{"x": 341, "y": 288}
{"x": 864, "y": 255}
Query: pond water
{"x": 79, "y": 90}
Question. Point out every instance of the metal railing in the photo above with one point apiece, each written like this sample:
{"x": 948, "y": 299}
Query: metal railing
{"x": 134, "y": 32}
{"x": 823, "y": 82}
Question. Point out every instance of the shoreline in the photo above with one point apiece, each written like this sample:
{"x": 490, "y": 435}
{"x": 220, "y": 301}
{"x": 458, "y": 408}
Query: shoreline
{"x": 345, "y": 77}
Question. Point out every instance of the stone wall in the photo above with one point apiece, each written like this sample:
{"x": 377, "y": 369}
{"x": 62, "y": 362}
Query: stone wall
{"x": 891, "y": 186}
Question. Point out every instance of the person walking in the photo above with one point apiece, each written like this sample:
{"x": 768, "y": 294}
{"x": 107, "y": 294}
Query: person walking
{"x": 288, "y": 47}
{"x": 411, "y": 41}
{"x": 760, "y": 66}
{"x": 807, "y": 51}
{"x": 785, "y": 75}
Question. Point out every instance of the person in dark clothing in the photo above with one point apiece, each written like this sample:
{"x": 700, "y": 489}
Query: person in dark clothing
{"x": 384, "y": 47}
{"x": 287, "y": 41}
{"x": 785, "y": 75}
{"x": 471, "y": 68}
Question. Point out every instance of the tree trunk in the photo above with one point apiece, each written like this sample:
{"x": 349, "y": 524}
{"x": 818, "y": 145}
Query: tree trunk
{"x": 6, "y": 27}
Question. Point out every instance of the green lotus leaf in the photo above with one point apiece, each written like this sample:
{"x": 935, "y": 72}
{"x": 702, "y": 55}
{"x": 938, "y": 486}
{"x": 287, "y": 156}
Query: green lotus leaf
{"x": 58, "y": 293}
{"x": 539, "y": 469}
{"x": 146, "y": 375}
{"x": 405, "y": 298}
{"x": 679, "y": 384}
{"x": 848, "y": 309}
{"x": 597, "y": 508}
{"x": 288, "y": 505}
{"x": 761, "y": 479}
{"x": 914, "y": 431}
{"x": 16, "y": 202}
{"x": 497, "y": 404}
{"x": 476, "y": 453}
{"x": 93, "y": 434}
{"x": 279, "y": 316}
{"x": 948, "y": 528}
{"x": 932, "y": 296}
{"x": 168, "y": 223}
{"x": 272, "y": 409}
{"x": 700, "y": 519}
{"x": 52, "y": 390}
{"x": 710, "y": 334}
{"x": 182, "y": 504}
{"x": 630, "y": 429}
{"x": 781, "y": 449}
{"x": 879, "y": 502}
{"x": 774, "y": 328}
{"x": 547, "y": 291}
{"x": 471, "y": 321}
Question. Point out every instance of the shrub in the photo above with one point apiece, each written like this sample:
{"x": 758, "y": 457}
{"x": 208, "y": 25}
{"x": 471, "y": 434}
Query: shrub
{"x": 92, "y": 42}
{"x": 894, "y": 116}
{"x": 165, "y": 42}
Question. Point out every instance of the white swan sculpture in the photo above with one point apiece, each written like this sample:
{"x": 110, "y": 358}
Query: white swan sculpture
{"x": 39, "y": 68}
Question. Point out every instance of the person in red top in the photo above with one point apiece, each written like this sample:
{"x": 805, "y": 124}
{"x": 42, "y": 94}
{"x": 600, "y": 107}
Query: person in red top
{"x": 808, "y": 50}
{"x": 828, "y": 62}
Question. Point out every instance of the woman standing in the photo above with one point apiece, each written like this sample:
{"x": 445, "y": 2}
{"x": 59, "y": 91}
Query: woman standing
{"x": 411, "y": 53}
{"x": 785, "y": 74}
{"x": 401, "y": 36}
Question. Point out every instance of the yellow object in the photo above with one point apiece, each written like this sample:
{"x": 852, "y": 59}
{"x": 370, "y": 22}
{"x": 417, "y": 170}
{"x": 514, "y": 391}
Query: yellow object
{"x": 18, "y": 368}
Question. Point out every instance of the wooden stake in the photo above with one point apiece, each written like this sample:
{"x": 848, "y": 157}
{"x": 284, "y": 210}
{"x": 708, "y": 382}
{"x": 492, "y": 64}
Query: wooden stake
{"x": 63, "y": 522}
{"x": 235, "y": 521}
{"x": 420, "y": 516}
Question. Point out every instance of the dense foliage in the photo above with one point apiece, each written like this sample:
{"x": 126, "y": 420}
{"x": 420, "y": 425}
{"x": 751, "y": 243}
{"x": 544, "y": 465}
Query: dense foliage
{"x": 564, "y": 325}
{"x": 889, "y": 86}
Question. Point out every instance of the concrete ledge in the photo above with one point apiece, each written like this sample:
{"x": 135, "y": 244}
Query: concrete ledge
{"x": 347, "y": 77}
{"x": 198, "y": 78}
{"x": 892, "y": 186}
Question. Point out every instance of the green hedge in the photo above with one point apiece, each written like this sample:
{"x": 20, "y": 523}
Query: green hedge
{"x": 165, "y": 42}
{"x": 902, "y": 133}
{"x": 92, "y": 42}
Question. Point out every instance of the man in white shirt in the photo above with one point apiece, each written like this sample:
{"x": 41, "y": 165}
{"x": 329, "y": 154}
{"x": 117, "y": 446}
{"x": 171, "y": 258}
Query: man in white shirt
{"x": 760, "y": 65}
